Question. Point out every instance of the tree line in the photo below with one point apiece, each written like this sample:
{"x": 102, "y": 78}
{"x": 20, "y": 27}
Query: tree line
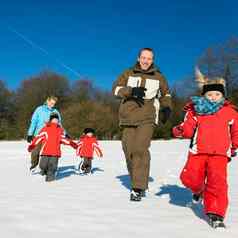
{"x": 82, "y": 104}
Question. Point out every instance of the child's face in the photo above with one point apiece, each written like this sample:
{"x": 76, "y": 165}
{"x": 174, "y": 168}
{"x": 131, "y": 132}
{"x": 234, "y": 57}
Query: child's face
{"x": 90, "y": 134}
{"x": 54, "y": 120}
{"x": 214, "y": 96}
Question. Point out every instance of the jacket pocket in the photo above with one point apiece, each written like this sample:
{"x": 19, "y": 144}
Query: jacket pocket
{"x": 127, "y": 109}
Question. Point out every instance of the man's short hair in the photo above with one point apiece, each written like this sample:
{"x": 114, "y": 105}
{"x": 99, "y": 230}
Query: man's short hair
{"x": 146, "y": 48}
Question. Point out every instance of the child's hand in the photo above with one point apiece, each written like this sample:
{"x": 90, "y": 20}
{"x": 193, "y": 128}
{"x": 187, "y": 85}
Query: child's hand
{"x": 233, "y": 152}
{"x": 178, "y": 131}
{"x": 73, "y": 144}
{"x": 30, "y": 148}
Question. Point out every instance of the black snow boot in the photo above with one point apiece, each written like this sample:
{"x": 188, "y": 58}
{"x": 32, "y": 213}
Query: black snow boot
{"x": 32, "y": 168}
{"x": 142, "y": 193}
{"x": 42, "y": 172}
{"x": 49, "y": 178}
{"x": 215, "y": 221}
{"x": 87, "y": 170}
{"x": 135, "y": 195}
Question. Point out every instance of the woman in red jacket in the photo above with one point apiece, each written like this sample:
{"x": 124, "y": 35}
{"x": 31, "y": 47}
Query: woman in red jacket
{"x": 87, "y": 145}
{"x": 51, "y": 137}
{"x": 211, "y": 122}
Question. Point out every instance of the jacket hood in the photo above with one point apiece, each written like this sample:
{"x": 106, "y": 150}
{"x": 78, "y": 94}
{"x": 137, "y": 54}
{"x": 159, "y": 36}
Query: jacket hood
{"x": 152, "y": 69}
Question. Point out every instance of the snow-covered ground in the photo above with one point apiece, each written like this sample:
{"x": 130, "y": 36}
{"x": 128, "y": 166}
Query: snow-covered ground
{"x": 98, "y": 205}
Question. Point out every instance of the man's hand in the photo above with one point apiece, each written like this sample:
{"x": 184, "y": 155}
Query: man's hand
{"x": 166, "y": 112}
{"x": 138, "y": 92}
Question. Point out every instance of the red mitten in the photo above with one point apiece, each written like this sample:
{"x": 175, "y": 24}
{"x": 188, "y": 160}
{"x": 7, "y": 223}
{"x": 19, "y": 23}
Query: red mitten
{"x": 30, "y": 148}
{"x": 233, "y": 152}
{"x": 177, "y": 131}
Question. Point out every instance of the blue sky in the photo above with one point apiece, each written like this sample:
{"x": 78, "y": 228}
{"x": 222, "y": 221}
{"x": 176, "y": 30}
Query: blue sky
{"x": 99, "y": 39}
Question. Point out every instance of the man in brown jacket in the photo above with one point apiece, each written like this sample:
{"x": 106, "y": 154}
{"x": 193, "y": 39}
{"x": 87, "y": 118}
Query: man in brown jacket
{"x": 142, "y": 89}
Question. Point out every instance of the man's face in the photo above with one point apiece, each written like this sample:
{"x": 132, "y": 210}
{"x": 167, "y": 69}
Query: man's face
{"x": 51, "y": 103}
{"x": 146, "y": 59}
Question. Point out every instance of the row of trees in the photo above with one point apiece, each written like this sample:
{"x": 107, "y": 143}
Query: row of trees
{"x": 81, "y": 105}
{"x": 84, "y": 105}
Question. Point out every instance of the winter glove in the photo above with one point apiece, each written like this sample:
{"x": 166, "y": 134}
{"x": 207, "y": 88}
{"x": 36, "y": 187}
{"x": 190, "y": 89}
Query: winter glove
{"x": 67, "y": 136}
{"x": 233, "y": 154}
{"x": 139, "y": 101}
{"x": 138, "y": 92}
{"x": 30, "y": 148}
{"x": 29, "y": 139}
{"x": 166, "y": 112}
{"x": 177, "y": 131}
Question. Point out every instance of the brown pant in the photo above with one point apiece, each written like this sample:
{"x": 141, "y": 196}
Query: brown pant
{"x": 135, "y": 144}
{"x": 35, "y": 155}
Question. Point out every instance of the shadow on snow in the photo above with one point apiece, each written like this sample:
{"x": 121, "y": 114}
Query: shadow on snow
{"x": 182, "y": 197}
{"x": 66, "y": 171}
{"x": 126, "y": 181}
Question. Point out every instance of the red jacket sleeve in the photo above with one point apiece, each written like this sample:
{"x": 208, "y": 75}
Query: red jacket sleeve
{"x": 97, "y": 149}
{"x": 187, "y": 127}
{"x": 37, "y": 139}
{"x": 79, "y": 146}
{"x": 67, "y": 141}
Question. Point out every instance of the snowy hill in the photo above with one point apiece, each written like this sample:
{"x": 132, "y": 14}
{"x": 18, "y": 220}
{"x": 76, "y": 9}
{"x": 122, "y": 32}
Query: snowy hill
{"x": 98, "y": 205}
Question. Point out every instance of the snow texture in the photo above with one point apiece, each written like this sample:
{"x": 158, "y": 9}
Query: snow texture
{"x": 98, "y": 205}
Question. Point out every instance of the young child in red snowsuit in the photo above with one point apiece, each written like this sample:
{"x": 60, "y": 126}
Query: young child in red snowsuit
{"x": 87, "y": 145}
{"x": 211, "y": 122}
{"x": 51, "y": 137}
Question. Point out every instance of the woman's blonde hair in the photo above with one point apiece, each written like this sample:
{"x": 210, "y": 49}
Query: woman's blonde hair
{"x": 52, "y": 98}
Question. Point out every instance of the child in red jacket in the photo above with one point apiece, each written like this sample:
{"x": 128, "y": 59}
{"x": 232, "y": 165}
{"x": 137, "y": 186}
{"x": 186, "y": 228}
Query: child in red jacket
{"x": 51, "y": 136}
{"x": 87, "y": 145}
{"x": 211, "y": 122}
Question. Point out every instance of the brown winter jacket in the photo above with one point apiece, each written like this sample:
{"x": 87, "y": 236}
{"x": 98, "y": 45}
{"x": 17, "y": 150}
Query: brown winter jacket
{"x": 130, "y": 114}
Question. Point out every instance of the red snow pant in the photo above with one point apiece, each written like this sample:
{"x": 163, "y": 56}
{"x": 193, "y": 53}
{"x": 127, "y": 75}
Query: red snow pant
{"x": 207, "y": 174}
